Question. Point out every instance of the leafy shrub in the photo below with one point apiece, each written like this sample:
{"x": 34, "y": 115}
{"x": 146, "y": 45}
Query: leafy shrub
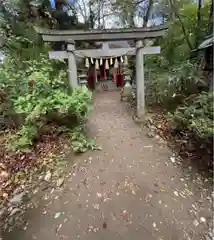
{"x": 171, "y": 89}
{"x": 38, "y": 110}
{"x": 187, "y": 79}
{"x": 23, "y": 139}
{"x": 157, "y": 62}
{"x": 15, "y": 81}
{"x": 79, "y": 142}
{"x": 156, "y": 89}
{"x": 196, "y": 117}
{"x": 40, "y": 95}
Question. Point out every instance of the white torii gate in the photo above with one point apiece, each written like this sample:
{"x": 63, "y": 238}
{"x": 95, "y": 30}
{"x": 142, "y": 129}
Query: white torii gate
{"x": 139, "y": 51}
{"x": 136, "y": 34}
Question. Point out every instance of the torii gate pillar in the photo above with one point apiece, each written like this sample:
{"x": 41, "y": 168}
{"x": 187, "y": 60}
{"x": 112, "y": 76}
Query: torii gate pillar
{"x": 140, "y": 80}
{"x": 72, "y": 68}
{"x": 140, "y": 52}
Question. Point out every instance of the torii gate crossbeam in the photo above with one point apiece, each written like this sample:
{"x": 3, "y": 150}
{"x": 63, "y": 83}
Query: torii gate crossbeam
{"x": 102, "y": 35}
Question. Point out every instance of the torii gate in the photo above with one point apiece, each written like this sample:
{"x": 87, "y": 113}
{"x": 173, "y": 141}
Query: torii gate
{"x": 136, "y": 34}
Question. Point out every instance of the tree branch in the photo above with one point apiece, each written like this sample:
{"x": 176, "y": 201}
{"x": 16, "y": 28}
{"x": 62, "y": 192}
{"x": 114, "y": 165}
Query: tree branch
{"x": 147, "y": 15}
{"x": 182, "y": 25}
{"x": 139, "y": 2}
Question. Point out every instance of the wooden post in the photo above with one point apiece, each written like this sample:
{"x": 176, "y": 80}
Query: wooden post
{"x": 72, "y": 67}
{"x": 140, "y": 80}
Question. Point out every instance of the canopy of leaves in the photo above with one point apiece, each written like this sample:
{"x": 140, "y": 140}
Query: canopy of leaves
{"x": 176, "y": 45}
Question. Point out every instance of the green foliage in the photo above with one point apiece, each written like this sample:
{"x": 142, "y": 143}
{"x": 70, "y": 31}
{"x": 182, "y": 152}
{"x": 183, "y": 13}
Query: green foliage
{"x": 23, "y": 139}
{"x": 40, "y": 95}
{"x": 79, "y": 142}
{"x": 24, "y": 43}
{"x": 174, "y": 44}
{"x": 16, "y": 78}
{"x": 34, "y": 90}
{"x": 157, "y": 62}
{"x": 196, "y": 117}
{"x": 178, "y": 85}
{"x": 171, "y": 89}
{"x": 186, "y": 79}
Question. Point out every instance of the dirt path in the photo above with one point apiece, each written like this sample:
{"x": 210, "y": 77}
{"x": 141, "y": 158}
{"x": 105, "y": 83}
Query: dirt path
{"x": 129, "y": 190}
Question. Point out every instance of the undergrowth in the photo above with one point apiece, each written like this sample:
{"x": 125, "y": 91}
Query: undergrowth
{"x": 38, "y": 95}
{"x": 184, "y": 93}
{"x": 197, "y": 116}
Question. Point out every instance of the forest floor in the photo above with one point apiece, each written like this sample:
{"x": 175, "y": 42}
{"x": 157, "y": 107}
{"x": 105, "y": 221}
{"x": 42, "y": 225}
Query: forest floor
{"x": 134, "y": 188}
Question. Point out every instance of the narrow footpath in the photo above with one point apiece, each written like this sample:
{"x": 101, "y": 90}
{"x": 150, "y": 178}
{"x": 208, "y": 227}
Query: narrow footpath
{"x": 132, "y": 189}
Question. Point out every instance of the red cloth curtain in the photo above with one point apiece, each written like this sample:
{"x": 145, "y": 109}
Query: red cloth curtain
{"x": 90, "y": 78}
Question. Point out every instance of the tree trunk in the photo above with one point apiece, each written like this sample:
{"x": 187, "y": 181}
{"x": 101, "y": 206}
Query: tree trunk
{"x": 147, "y": 15}
{"x": 197, "y": 33}
{"x": 210, "y": 25}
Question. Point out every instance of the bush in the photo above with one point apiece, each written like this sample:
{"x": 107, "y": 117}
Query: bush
{"x": 40, "y": 95}
{"x": 196, "y": 117}
{"x": 171, "y": 89}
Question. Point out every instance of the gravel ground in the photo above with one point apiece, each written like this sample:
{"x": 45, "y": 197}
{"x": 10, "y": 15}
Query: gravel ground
{"x": 134, "y": 188}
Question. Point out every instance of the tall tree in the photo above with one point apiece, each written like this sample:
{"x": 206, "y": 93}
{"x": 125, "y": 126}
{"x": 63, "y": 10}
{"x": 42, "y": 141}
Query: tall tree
{"x": 131, "y": 10}
{"x": 210, "y": 24}
{"x": 197, "y": 35}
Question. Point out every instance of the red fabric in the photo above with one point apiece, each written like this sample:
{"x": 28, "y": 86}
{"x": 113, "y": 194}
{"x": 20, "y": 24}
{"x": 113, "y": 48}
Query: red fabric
{"x": 120, "y": 80}
{"x": 90, "y": 80}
